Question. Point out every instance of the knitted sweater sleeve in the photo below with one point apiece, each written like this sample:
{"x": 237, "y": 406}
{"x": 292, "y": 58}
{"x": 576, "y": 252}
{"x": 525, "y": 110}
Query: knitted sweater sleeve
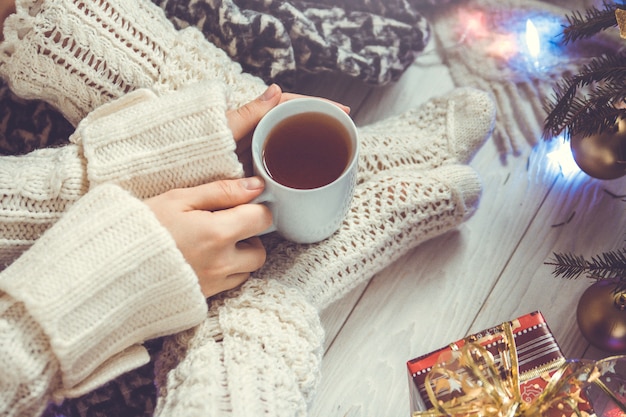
{"x": 79, "y": 55}
{"x": 73, "y": 308}
{"x": 143, "y": 142}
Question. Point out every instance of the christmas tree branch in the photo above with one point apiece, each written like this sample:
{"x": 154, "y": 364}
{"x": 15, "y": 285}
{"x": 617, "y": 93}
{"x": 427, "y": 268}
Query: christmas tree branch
{"x": 594, "y": 21}
{"x": 572, "y": 112}
{"x": 594, "y": 114}
{"x": 608, "y": 265}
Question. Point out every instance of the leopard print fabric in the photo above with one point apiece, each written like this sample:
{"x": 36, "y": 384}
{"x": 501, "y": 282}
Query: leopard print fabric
{"x": 26, "y": 125}
{"x": 132, "y": 394}
{"x": 373, "y": 41}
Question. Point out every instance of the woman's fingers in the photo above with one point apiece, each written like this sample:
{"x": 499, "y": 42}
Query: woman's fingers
{"x": 214, "y": 226}
{"x": 243, "y": 120}
{"x": 250, "y": 255}
{"x": 242, "y": 222}
{"x": 220, "y": 195}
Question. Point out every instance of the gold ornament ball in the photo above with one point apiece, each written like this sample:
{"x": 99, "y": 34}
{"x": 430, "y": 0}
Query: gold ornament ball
{"x": 601, "y": 316}
{"x": 601, "y": 155}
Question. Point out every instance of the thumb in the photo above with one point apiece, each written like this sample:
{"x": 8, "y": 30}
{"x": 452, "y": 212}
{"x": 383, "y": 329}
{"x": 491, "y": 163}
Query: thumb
{"x": 222, "y": 194}
{"x": 244, "y": 119}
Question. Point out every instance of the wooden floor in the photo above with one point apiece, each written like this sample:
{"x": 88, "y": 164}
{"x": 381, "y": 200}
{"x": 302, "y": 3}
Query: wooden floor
{"x": 489, "y": 271}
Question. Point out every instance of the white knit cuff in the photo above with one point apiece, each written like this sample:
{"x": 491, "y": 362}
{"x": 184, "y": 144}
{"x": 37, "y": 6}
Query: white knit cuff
{"x": 125, "y": 361}
{"x": 103, "y": 278}
{"x": 29, "y": 369}
{"x": 149, "y": 144}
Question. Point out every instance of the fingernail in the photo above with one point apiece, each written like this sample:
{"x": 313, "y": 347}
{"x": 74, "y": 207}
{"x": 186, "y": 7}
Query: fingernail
{"x": 252, "y": 183}
{"x": 271, "y": 92}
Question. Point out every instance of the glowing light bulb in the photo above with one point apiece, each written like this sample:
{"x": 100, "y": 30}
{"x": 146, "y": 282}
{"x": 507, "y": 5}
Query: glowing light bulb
{"x": 533, "y": 43}
{"x": 561, "y": 157}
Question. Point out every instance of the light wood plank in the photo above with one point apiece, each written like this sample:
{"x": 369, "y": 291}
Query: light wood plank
{"x": 597, "y": 225}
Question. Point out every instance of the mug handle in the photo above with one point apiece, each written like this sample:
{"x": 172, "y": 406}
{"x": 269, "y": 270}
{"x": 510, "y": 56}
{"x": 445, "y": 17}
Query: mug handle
{"x": 264, "y": 198}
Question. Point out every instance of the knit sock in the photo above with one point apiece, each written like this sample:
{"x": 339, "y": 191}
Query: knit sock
{"x": 259, "y": 350}
{"x": 445, "y": 130}
{"x": 391, "y": 213}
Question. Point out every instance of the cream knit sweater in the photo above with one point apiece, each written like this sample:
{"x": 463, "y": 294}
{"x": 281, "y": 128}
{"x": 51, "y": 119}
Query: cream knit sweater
{"x": 90, "y": 273}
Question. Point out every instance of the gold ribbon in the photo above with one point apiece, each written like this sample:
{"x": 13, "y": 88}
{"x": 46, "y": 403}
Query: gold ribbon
{"x": 491, "y": 390}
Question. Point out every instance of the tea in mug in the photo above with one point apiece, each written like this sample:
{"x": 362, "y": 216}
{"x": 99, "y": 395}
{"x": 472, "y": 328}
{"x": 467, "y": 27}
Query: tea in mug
{"x": 308, "y": 150}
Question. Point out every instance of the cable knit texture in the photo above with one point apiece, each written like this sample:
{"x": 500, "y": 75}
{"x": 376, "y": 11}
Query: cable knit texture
{"x": 188, "y": 130}
{"x": 30, "y": 371}
{"x": 258, "y": 350}
{"x": 257, "y": 353}
{"x": 113, "y": 47}
{"x": 90, "y": 282}
{"x": 145, "y": 143}
{"x": 35, "y": 191}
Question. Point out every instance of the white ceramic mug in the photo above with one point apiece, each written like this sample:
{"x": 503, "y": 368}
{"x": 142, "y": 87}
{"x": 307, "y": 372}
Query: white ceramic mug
{"x": 306, "y": 215}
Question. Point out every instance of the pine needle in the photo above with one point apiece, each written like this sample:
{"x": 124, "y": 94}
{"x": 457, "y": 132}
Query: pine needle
{"x": 571, "y": 111}
{"x": 608, "y": 265}
{"x": 595, "y": 20}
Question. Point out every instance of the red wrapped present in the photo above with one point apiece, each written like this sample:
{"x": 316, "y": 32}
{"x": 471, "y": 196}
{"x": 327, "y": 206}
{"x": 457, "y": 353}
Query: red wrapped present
{"x": 538, "y": 356}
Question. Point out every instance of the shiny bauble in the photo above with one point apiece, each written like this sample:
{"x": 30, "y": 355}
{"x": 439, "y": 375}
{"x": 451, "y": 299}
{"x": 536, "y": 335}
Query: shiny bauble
{"x": 601, "y": 155}
{"x": 601, "y": 316}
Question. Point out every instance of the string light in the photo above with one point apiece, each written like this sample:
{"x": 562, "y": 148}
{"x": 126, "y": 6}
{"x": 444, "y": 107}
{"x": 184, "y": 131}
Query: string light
{"x": 560, "y": 156}
{"x": 527, "y": 45}
{"x": 533, "y": 42}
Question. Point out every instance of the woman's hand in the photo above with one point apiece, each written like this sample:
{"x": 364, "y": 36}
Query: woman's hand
{"x": 214, "y": 228}
{"x": 214, "y": 225}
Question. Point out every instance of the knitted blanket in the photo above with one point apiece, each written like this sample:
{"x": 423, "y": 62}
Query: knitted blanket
{"x": 484, "y": 44}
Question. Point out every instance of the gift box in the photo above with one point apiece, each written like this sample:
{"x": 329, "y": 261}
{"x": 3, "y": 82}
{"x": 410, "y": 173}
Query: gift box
{"x": 538, "y": 356}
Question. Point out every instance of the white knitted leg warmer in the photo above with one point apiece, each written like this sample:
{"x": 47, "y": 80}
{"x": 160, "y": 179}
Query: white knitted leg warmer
{"x": 445, "y": 130}
{"x": 391, "y": 213}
